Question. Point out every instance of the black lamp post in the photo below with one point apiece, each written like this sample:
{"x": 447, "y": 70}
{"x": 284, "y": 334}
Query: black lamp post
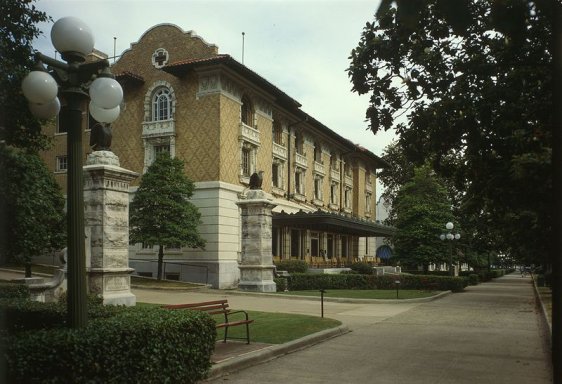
{"x": 76, "y": 82}
{"x": 450, "y": 236}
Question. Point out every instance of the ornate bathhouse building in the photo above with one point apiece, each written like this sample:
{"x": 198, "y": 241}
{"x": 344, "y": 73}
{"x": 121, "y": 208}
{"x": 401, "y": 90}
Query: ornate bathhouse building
{"x": 227, "y": 122}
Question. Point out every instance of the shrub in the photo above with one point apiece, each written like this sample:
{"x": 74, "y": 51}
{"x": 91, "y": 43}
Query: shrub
{"x": 148, "y": 345}
{"x": 362, "y": 268}
{"x": 281, "y": 283}
{"x": 292, "y": 266}
{"x": 23, "y": 315}
{"x": 357, "y": 281}
{"x": 473, "y": 279}
{"x": 12, "y": 290}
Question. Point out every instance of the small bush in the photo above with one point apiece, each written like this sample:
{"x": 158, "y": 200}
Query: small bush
{"x": 473, "y": 279}
{"x": 13, "y": 290}
{"x": 362, "y": 268}
{"x": 292, "y": 266}
{"x": 281, "y": 283}
{"x": 148, "y": 345}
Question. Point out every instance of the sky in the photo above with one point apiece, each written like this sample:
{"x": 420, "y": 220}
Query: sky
{"x": 302, "y": 47}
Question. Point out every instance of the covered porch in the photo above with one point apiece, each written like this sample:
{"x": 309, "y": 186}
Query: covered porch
{"x": 325, "y": 240}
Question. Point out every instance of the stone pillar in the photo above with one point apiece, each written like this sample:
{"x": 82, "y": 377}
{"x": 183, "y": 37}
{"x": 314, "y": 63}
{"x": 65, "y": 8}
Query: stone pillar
{"x": 106, "y": 214}
{"x": 256, "y": 264}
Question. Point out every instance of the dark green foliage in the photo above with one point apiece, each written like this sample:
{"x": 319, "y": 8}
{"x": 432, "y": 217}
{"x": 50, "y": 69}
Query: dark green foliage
{"x": 299, "y": 282}
{"x": 25, "y": 315}
{"x": 134, "y": 345}
{"x": 421, "y": 211}
{"x": 281, "y": 284}
{"x": 161, "y": 213}
{"x": 18, "y": 29}
{"x": 32, "y": 213}
{"x": 292, "y": 266}
{"x": 474, "y": 80}
{"x": 473, "y": 279}
{"x": 362, "y": 268}
{"x": 13, "y": 291}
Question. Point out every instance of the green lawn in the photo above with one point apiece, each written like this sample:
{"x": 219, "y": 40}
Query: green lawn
{"x": 278, "y": 328}
{"x": 365, "y": 294}
{"x": 273, "y": 327}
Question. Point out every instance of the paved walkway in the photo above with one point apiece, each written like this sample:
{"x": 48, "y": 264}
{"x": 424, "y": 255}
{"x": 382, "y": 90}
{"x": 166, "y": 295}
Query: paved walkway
{"x": 490, "y": 333}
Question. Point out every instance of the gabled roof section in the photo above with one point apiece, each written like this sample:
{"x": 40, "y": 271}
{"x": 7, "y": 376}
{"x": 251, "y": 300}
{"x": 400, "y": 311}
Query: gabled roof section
{"x": 182, "y": 67}
{"x": 128, "y": 77}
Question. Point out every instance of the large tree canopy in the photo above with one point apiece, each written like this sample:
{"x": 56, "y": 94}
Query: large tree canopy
{"x": 18, "y": 28}
{"x": 478, "y": 106}
{"x": 31, "y": 207}
{"x": 421, "y": 210}
{"x": 161, "y": 213}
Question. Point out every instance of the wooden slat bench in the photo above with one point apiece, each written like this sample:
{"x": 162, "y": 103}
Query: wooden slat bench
{"x": 218, "y": 307}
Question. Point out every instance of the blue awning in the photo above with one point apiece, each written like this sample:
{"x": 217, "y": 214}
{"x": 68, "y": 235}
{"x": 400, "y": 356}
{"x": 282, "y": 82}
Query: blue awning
{"x": 384, "y": 252}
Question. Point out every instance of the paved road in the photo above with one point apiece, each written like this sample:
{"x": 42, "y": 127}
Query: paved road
{"x": 488, "y": 334}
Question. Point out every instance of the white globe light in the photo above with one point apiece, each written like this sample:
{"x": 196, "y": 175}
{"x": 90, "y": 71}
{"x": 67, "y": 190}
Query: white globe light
{"x": 442, "y": 237}
{"x": 457, "y": 236}
{"x": 450, "y": 236}
{"x": 104, "y": 115}
{"x": 39, "y": 87}
{"x": 449, "y": 225}
{"x": 70, "y": 34}
{"x": 106, "y": 92}
{"x": 47, "y": 110}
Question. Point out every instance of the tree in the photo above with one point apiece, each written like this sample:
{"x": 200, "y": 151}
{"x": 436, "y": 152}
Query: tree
{"x": 31, "y": 207}
{"x": 161, "y": 213}
{"x": 421, "y": 209}
{"x": 477, "y": 87}
{"x": 18, "y": 28}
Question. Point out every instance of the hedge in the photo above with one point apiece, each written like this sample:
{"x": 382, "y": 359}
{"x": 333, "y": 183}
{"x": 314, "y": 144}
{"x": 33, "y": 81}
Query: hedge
{"x": 302, "y": 281}
{"x": 292, "y": 266}
{"x": 13, "y": 290}
{"x": 135, "y": 345}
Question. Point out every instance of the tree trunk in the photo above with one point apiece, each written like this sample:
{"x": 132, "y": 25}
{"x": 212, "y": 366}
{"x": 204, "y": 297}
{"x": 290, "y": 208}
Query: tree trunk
{"x": 160, "y": 261}
{"x": 27, "y": 269}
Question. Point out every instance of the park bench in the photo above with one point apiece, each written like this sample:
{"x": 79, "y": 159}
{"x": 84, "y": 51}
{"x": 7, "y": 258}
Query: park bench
{"x": 215, "y": 308}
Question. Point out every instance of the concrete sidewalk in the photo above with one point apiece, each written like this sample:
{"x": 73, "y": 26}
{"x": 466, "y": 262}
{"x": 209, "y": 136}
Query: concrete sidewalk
{"x": 491, "y": 333}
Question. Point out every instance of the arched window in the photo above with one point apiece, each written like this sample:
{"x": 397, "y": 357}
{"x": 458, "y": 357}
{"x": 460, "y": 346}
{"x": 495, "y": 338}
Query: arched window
{"x": 247, "y": 112}
{"x": 161, "y": 105}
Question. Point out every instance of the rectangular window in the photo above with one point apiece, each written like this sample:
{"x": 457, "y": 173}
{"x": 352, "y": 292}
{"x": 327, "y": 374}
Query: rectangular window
{"x": 368, "y": 203}
{"x": 246, "y": 161}
{"x": 275, "y": 175}
{"x": 299, "y": 187}
{"x": 161, "y": 148}
{"x": 347, "y": 198}
{"x": 318, "y": 188}
{"x": 62, "y": 163}
{"x": 62, "y": 126}
{"x": 334, "y": 193}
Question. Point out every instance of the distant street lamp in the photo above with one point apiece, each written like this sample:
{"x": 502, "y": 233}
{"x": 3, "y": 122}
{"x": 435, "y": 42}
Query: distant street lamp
{"x": 450, "y": 236}
{"x": 76, "y": 81}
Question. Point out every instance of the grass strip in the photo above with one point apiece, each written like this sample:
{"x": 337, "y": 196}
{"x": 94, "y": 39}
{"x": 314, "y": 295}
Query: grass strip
{"x": 381, "y": 294}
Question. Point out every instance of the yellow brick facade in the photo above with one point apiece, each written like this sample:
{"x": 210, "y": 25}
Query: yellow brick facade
{"x": 207, "y": 133}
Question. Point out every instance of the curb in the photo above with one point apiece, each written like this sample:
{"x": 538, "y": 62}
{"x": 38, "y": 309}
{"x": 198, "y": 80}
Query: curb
{"x": 339, "y": 299}
{"x": 545, "y": 321}
{"x": 272, "y": 352}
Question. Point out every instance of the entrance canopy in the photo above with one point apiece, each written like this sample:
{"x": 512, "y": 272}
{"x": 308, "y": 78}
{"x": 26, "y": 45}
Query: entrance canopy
{"x": 331, "y": 222}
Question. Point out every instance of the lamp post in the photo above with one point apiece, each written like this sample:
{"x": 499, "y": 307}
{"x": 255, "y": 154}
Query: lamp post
{"x": 450, "y": 236}
{"x": 76, "y": 81}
